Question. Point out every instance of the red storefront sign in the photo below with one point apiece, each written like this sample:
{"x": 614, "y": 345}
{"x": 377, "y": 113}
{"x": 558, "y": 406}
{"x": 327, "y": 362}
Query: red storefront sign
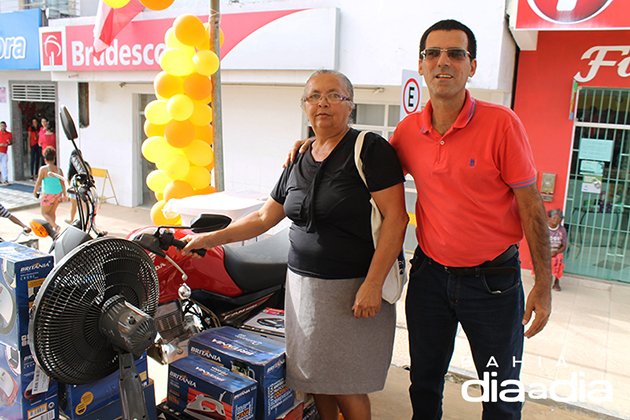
{"x": 572, "y": 14}
{"x": 139, "y": 45}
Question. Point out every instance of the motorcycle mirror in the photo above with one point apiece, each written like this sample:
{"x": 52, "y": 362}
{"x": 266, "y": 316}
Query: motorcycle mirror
{"x": 68, "y": 124}
{"x": 209, "y": 222}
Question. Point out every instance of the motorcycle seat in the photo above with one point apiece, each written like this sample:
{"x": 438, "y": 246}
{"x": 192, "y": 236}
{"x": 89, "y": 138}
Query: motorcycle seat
{"x": 260, "y": 265}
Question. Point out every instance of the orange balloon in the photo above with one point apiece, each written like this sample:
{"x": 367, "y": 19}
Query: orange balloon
{"x": 178, "y": 189}
{"x": 172, "y": 42}
{"x": 204, "y": 132}
{"x": 210, "y": 167}
{"x": 158, "y": 218}
{"x": 204, "y": 191}
{"x": 166, "y": 85}
{"x": 179, "y": 133}
{"x": 156, "y": 4}
{"x": 153, "y": 130}
{"x": 189, "y": 30}
{"x": 197, "y": 87}
{"x": 158, "y": 195}
{"x": 201, "y": 115}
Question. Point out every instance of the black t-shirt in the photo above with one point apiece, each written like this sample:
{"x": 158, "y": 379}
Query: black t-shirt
{"x": 337, "y": 243}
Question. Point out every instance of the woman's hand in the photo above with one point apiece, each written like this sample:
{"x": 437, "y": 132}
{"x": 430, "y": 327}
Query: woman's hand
{"x": 368, "y": 300}
{"x": 554, "y": 253}
{"x": 299, "y": 146}
{"x": 199, "y": 241}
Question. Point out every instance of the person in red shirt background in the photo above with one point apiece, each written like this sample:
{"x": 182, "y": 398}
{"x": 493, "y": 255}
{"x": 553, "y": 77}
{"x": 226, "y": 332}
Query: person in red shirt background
{"x": 6, "y": 139}
{"x": 33, "y": 147}
{"x": 47, "y": 136}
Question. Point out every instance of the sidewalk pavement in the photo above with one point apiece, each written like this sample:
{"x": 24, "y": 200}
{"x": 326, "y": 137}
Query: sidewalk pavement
{"x": 587, "y": 336}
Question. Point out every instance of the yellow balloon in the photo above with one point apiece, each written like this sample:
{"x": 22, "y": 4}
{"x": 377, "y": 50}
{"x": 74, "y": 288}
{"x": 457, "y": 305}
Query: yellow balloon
{"x": 180, "y": 107}
{"x": 152, "y": 130}
{"x": 199, "y": 153}
{"x": 197, "y": 87}
{"x": 205, "y": 62}
{"x": 157, "y": 180}
{"x": 175, "y": 62}
{"x": 172, "y": 42}
{"x": 156, "y": 4}
{"x": 210, "y": 166}
{"x": 197, "y": 177}
{"x": 178, "y": 189}
{"x": 156, "y": 112}
{"x": 204, "y": 132}
{"x": 166, "y": 85}
{"x": 157, "y": 149}
{"x": 116, "y": 4}
{"x": 158, "y": 219}
{"x": 189, "y": 30}
{"x": 176, "y": 167}
{"x": 201, "y": 115}
{"x": 205, "y": 191}
{"x": 158, "y": 196}
{"x": 179, "y": 133}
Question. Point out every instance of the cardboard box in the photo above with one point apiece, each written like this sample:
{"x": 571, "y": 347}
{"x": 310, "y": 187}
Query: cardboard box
{"x": 268, "y": 323}
{"x": 294, "y": 413}
{"x": 203, "y": 390}
{"x": 83, "y": 400}
{"x": 113, "y": 410}
{"x": 251, "y": 355}
{"x": 25, "y": 391}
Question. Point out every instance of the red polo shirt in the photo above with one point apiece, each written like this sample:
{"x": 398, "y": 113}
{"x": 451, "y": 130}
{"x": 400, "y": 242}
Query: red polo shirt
{"x": 5, "y": 139}
{"x": 466, "y": 211}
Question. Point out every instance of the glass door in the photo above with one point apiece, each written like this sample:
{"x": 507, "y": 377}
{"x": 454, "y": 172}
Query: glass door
{"x": 598, "y": 196}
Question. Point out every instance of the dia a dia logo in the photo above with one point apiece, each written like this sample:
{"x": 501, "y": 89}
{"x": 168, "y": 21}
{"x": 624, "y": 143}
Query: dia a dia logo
{"x": 568, "y": 11}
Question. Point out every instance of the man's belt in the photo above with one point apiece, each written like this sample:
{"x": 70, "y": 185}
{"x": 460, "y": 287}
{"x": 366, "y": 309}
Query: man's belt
{"x": 489, "y": 267}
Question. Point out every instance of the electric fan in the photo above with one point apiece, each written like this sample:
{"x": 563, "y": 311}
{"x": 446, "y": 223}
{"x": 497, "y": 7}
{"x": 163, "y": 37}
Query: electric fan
{"x": 93, "y": 313}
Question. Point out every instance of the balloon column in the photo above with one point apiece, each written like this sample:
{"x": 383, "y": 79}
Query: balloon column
{"x": 149, "y": 4}
{"x": 178, "y": 123}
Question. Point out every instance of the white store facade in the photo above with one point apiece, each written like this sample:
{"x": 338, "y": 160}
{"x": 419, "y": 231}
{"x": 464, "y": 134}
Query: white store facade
{"x": 271, "y": 48}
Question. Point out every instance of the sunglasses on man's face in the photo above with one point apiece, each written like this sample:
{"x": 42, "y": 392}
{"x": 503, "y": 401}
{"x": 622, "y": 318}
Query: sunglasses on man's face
{"x": 455, "y": 54}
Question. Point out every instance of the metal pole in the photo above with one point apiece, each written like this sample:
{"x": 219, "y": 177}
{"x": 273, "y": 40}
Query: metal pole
{"x": 217, "y": 124}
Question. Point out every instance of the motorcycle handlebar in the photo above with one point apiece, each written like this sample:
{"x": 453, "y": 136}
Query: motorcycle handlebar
{"x": 181, "y": 244}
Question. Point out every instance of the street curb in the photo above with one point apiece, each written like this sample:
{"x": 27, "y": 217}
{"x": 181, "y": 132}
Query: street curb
{"x": 459, "y": 376}
{"x": 22, "y": 207}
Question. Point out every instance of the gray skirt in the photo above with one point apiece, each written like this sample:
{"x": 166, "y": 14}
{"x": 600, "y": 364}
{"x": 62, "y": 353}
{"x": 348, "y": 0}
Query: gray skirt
{"x": 329, "y": 351}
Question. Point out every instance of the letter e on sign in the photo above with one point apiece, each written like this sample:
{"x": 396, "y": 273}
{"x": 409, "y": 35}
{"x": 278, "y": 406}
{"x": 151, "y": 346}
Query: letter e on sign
{"x": 411, "y": 93}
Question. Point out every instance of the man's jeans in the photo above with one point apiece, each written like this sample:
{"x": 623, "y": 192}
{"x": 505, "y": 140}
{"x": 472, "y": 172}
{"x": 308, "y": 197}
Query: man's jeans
{"x": 490, "y": 309}
{"x": 4, "y": 167}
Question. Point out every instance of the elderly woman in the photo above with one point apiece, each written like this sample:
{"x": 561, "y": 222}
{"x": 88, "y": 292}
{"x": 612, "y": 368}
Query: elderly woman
{"x": 339, "y": 331}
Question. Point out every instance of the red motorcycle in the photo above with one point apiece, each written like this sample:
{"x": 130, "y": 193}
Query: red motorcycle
{"x": 225, "y": 287}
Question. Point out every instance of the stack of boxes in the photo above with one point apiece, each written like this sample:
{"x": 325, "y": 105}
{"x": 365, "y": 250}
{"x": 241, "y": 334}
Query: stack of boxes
{"x": 25, "y": 391}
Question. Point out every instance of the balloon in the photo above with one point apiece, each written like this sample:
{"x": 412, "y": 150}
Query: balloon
{"x": 210, "y": 166}
{"x": 180, "y": 107}
{"x": 205, "y": 62}
{"x": 157, "y": 149}
{"x": 189, "y": 30}
{"x": 178, "y": 189}
{"x": 157, "y": 217}
{"x": 205, "y": 191}
{"x": 199, "y": 153}
{"x": 197, "y": 177}
{"x": 176, "y": 166}
{"x": 179, "y": 133}
{"x": 175, "y": 62}
{"x": 158, "y": 196}
{"x": 157, "y": 180}
{"x": 202, "y": 114}
{"x": 156, "y": 112}
{"x": 152, "y": 130}
{"x": 206, "y": 43}
{"x": 197, "y": 87}
{"x": 204, "y": 132}
{"x": 172, "y": 42}
{"x": 156, "y": 4}
{"x": 116, "y": 4}
{"x": 166, "y": 85}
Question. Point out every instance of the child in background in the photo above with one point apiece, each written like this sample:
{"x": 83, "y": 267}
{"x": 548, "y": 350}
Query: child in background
{"x": 558, "y": 239}
{"x": 53, "y": 191}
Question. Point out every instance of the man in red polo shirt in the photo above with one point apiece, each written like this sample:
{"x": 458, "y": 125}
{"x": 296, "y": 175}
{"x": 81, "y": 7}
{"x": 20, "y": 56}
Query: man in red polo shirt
{"x": 6, "y": 139}
{"x": 477, "y": 195}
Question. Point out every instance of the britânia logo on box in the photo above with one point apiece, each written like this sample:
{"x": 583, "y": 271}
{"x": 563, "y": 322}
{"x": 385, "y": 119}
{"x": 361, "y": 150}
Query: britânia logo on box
{"x": 35, "y": 267}
{"x": 205, "y": 353}
{"x": 183, "y": 379}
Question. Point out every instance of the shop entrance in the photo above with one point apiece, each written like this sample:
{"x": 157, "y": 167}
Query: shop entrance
{"x": 598, "y": 196}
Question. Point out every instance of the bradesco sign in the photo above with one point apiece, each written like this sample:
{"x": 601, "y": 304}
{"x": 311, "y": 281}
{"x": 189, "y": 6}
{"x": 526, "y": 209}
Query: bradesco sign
{"x": 137, "y": 47}
{"x": 19, "y": 41}
{"x": 572, "y": 14}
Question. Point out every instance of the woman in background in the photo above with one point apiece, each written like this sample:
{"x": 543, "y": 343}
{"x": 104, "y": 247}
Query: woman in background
{"x": 53, "y": 191}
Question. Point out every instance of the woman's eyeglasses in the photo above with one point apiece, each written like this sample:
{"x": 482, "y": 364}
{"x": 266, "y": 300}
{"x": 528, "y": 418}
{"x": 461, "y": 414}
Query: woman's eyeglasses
{"x": 332, "y": 98}
{"x": 455, "y": 54}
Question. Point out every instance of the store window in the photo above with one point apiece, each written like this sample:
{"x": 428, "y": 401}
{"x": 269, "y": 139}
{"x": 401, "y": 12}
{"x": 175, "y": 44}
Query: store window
{"x": 598, "y": 196}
